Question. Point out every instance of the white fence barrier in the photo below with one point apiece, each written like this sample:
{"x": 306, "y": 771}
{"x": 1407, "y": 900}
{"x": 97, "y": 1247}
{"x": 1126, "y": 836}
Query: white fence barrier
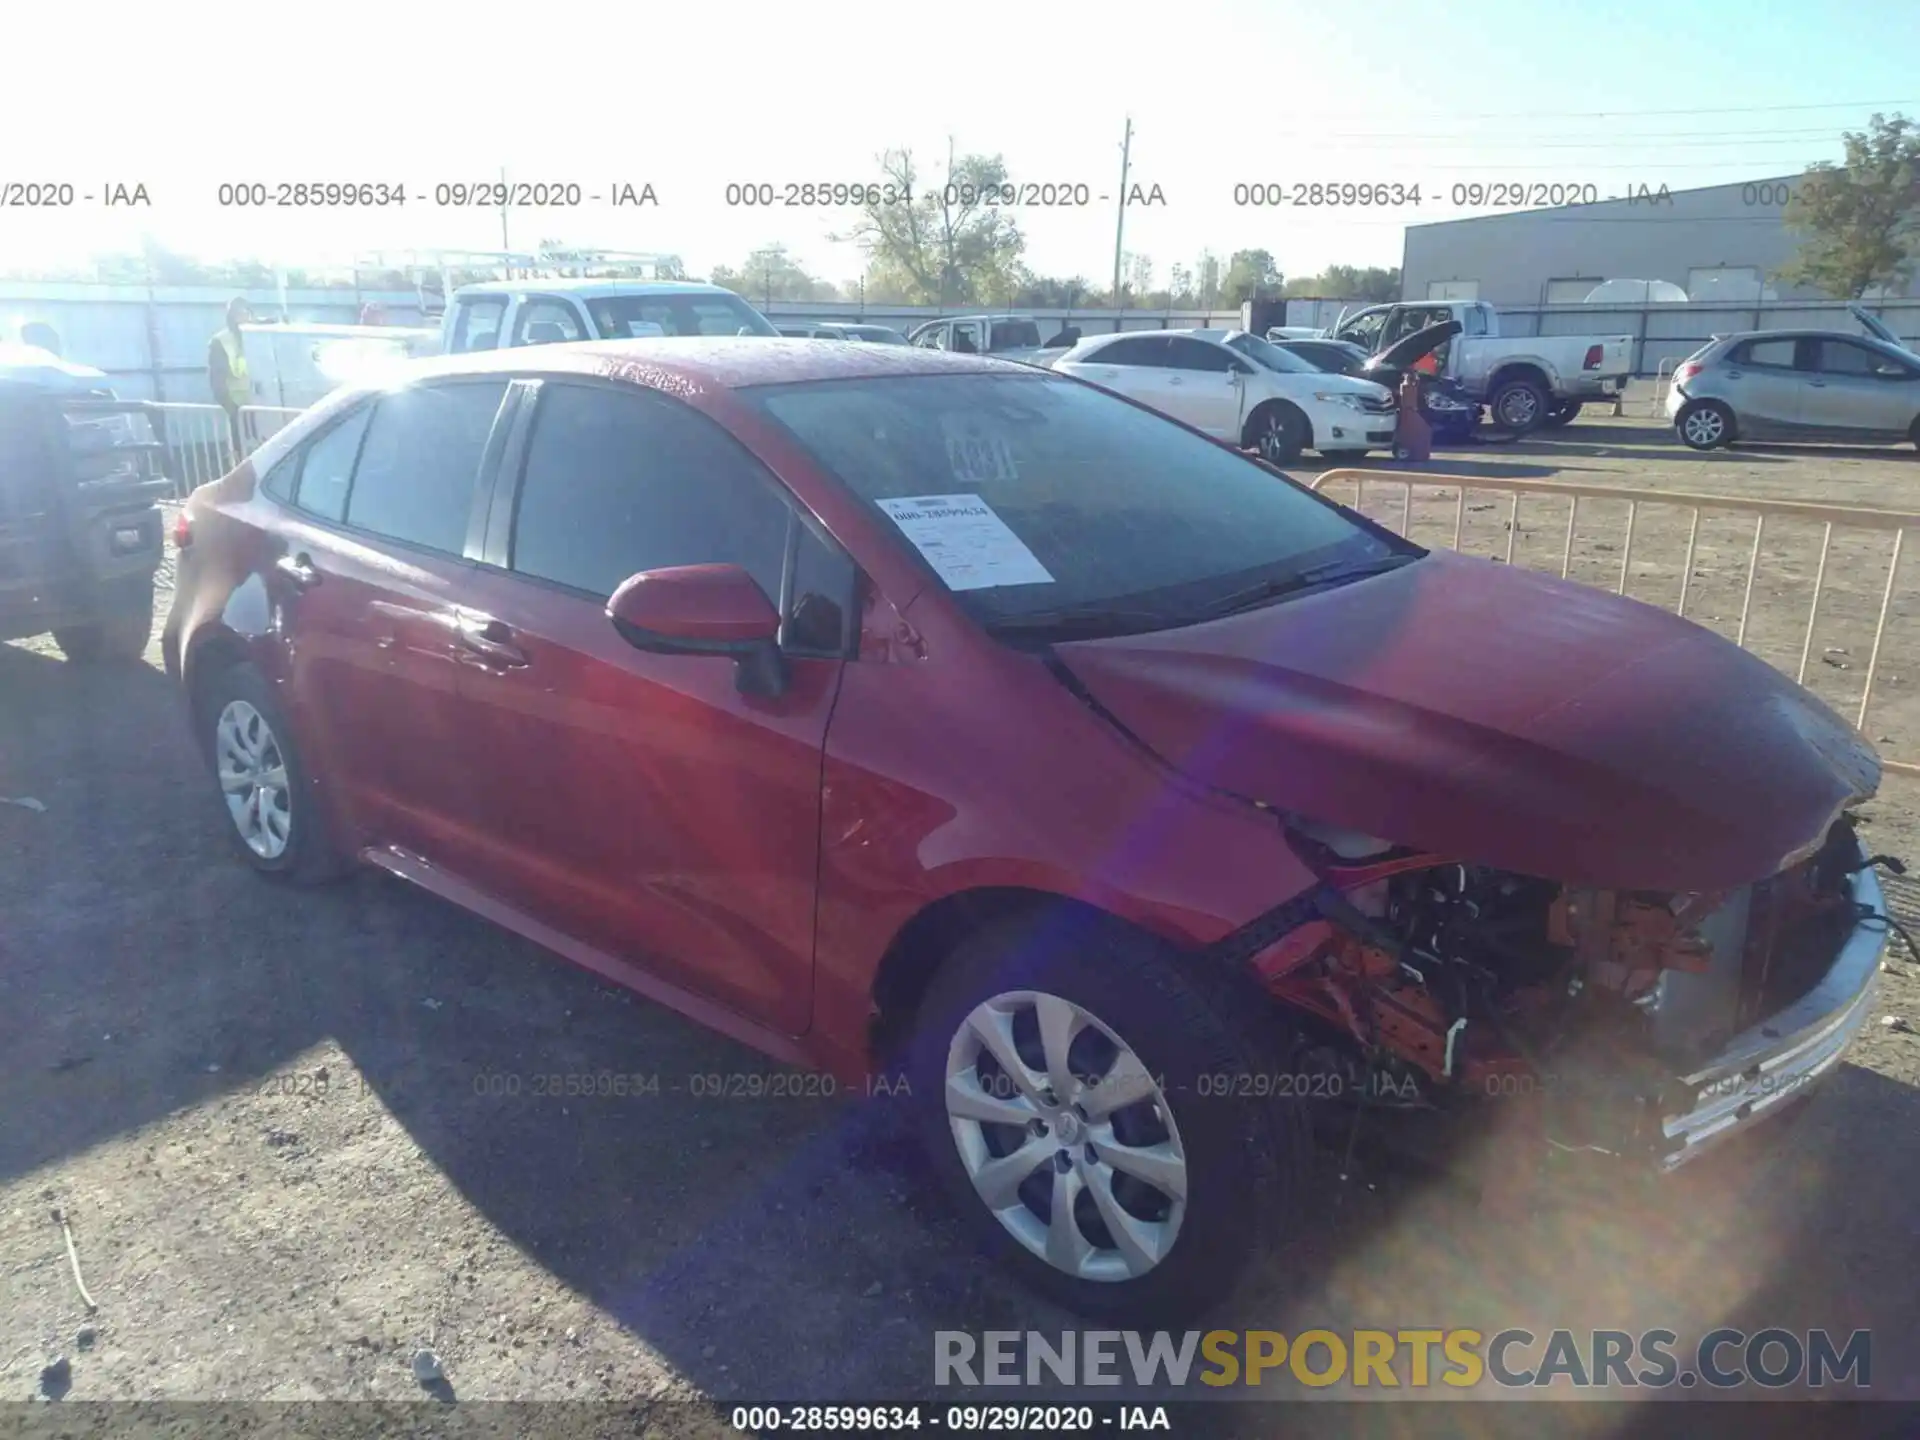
{"x": 199, "y": 441}
{"x": 1829, "y": 517}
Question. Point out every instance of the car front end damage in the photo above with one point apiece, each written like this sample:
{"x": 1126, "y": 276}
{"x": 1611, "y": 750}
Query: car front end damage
{"x": 1643, "y": 1026}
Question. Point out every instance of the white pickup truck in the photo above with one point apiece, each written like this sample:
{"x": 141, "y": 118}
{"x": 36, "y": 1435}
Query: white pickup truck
{"x": 292, "y": 366}
{"x": 1005, "y": 337}
{"x": 1524, "y": 381}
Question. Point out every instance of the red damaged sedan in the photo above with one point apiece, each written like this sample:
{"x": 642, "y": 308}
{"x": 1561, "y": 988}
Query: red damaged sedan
{"x": 883, "y": 707}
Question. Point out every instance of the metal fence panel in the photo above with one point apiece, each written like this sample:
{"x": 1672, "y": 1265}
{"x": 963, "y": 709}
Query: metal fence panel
{"x": 1549, "y": 500}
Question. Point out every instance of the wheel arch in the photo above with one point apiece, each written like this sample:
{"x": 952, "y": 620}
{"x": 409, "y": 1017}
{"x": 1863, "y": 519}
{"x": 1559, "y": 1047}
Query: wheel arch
{"x": 922, "y": 944}
{"x": 1510, "y": 371}
{"x": 1273, "y": 402}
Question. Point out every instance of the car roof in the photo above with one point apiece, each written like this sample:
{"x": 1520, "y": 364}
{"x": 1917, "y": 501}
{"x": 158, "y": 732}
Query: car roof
{"x": 728, "y": 362}
{"x": 590, "y": 288}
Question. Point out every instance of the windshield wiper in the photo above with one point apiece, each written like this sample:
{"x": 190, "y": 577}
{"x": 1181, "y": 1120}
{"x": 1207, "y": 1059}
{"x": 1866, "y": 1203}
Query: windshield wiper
{"x": 1334, "y": 572}
{"x": 1082, "y": 623}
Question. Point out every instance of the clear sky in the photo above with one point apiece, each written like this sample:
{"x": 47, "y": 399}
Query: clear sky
{"x": 182, "y": 97}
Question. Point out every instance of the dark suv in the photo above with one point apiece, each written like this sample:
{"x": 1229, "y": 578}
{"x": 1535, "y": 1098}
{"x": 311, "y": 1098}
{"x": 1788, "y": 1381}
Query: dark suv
{"x": 80, "y": 527}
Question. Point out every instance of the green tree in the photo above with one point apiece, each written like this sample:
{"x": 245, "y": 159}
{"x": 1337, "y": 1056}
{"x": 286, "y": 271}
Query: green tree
{"x": 945, "y": 247}
{"x": 1251, "y": 275}
{"x": 1373, "y": 284}
{"x": 769, "y": 273}
{"x": 1858, "y": 219}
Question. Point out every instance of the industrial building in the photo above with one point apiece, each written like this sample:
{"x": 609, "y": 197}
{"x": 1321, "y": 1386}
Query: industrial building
{"x": 1718, "y": 243}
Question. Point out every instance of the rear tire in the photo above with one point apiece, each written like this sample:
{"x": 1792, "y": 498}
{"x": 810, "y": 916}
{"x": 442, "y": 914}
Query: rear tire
{"x": 1704, "y": 425}
{"x": 1278, "y": 431}
{"x": 119, "y": 636}
{"x": 272, "y": 816}
{"x": 1519, "y": 405}
{"x": 1224, "y": 1165}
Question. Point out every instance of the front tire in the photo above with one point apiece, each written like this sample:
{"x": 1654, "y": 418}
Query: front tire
{"x": 1278, "y": 431}
{"x": 1074, "y": 1082}
{"x": 1704, "y": 425}
{"x": 273, "y": 818}
{"x": 119, "y": 636}
{"x": 1519, "y": 405}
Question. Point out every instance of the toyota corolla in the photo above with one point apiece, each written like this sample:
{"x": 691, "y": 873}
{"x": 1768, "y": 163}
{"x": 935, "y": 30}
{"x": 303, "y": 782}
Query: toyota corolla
{"x": 886, "y": 708}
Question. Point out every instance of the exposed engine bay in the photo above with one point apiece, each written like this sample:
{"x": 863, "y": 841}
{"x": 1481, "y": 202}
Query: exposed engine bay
{"x": 1431, "y": 982}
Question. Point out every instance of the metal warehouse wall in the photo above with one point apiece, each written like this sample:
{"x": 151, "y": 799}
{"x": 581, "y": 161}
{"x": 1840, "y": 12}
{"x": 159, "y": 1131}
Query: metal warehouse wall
{"x": 1513, "y": 256}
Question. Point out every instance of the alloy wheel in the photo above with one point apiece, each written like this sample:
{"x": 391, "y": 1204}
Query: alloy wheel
{"x": 1272, "y": 440}
{"x": 1705, "y": 427}
{"x": 1519, "y": 407}
{"x": 1067, "y": 1138}
{"x": 253, "y": 779}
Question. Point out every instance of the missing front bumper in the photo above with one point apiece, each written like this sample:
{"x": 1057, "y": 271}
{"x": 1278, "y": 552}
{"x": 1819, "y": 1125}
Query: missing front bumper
{"x": 1763, "y": 1069}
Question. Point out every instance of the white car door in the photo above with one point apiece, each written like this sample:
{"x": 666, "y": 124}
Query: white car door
{"x": 1204, "y": 383}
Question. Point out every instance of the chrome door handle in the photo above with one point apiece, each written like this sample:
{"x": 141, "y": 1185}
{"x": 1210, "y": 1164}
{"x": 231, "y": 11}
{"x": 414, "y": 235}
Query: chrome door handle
{"x": 299, "y": 569}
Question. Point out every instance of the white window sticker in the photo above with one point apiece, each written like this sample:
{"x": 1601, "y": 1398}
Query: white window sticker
{"x": 977, "y": 453}
{"x": 968, "y": 545}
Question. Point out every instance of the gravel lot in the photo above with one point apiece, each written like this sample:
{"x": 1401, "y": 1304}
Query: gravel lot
{"x": 297, "y": 1134}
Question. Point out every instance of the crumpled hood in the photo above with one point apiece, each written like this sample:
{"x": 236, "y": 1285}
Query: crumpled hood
{"x": 1501, "y": 717}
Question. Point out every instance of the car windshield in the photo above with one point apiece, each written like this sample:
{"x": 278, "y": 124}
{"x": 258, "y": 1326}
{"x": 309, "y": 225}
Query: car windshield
{"x": 1036, "y": 497}
{"x": 1272, "y": 356}
{"x": 619, "y": 317}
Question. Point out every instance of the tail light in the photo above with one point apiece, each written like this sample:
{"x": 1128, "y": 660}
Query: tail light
{"x": 1686, "y": 372}
{"x": 1595, "y": 354}
{"x": 182, "y": 531}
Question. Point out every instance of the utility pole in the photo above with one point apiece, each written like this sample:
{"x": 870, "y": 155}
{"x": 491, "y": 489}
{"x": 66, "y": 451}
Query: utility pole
{"x": 1120, "y": 220}
{"x": 503, "y": 212}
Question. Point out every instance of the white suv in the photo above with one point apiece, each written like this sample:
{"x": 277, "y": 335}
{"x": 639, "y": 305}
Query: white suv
{"x": 1237, "y": 387}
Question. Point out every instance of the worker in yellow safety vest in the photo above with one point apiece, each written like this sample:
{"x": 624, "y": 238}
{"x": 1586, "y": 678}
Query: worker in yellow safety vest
{"x": 227, "y": 368}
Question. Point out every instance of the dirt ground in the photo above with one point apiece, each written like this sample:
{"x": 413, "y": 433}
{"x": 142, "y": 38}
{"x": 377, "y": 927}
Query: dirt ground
{"x": 296, "y": 1138}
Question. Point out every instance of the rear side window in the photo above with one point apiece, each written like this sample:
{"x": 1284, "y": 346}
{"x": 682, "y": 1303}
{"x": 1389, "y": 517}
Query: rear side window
{"x": 547, "y": 322}
{"x": 1136, "y": 350}
{"x": 477, "y": 325}
{"x": 1188, "y": 354}
{"x": 415, "y": 480}
{"x": 1843, "y": 357}
{"x": 328, "y": 467}
{"x": 1777, "y": 353}
{"x": 618, "y": 483}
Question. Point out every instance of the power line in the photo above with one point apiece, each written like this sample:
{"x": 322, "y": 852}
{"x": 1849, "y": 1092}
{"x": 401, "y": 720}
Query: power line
{"x": 1702, "y": 110}
{"x": 1810, "y": 132}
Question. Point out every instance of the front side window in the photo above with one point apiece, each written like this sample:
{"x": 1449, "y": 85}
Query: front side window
{"x": 327, "y": 468}
{"x": 415, "y": 480}
{"x": 1843, "y": 357}
{"x": 618, "y": 483}
{"x": 1033, "y": 496}
{"x": 1365, "y": 329}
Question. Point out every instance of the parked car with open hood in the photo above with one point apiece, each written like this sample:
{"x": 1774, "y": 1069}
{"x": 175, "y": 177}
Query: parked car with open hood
{"x": 1524, "y": 381}
{"x": 1798, "y": 385}
{"x": 1237, "y": 387}
{"x": 911, "y": 714}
